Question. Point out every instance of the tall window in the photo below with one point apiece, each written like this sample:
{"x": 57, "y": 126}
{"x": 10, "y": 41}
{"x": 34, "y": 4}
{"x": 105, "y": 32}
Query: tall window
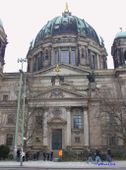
{"x": 40, "y": 60}
{"x": 82, "y": 51}
{"x": 64, "y": 56}
{"x": 125, "y": 57}
{"x": 73, "y": 57}
{"x": 35, "y": 64}
{"x": 77, "y": 119}
{"x": 5, "y": 97}
{"x": 112, "y": 141}
{"x": 9, "y": 139}
{"x": 10, "y": 119}
{"x": 77, "y": 139}
{"x": 46, "y": 55}
{"x": 39, "y": 121}
{"x": 93, "y": 61}
{"x": 56, "y": 57}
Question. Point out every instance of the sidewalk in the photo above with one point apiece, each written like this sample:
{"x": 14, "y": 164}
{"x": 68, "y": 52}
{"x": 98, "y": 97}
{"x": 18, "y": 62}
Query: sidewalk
{"x": 58, "y": 165}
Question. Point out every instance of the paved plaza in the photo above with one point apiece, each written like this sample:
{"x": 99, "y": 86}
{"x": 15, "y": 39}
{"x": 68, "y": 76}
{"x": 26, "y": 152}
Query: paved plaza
{"x": 69, "y": 165}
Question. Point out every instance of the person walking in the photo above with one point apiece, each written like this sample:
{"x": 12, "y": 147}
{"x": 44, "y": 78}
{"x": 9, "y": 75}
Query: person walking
{"x": 90, "y": 157}
{"x": 97, "y": 156}
{"x": 18, "y": 155}
{"x": 51, "y": 155}
{"x": 60, "y": 154}
{"x": 109, "y": 155}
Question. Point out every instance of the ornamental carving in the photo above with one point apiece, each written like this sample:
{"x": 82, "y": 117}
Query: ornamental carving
{"x": 56, "y": 111}
{"x": 56, "y": 93}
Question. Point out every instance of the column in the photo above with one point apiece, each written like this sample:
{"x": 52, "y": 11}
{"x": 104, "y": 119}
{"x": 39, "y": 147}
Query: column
{"x": 68, "y": 137}
{"x": 69, "y": 55}
{"x": 45, "y": 129}
{"x": 98, "y": 62}
{"x": 86, "y": 129}
{"x": 52, "y": 56}
{"x": 59, "y": 55}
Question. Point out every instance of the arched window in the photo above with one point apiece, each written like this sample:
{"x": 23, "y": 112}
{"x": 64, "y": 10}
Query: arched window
{"x": 64, "y": 56}
{"x": 82, "y": 53}
{"x": 46, "y": 55}
{"x": 35, "y": 64}
{"x": 125, "y": 57}
{"x": 93, "y": 61}
{"x": 40, "y": 60}
{"x": 73, "y": 56}
{"x": 56, "y": 57}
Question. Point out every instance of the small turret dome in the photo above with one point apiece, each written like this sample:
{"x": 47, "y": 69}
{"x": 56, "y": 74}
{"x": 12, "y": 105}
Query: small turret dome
{"x": 121, "y": 34}
{"x": 118, "y": 49}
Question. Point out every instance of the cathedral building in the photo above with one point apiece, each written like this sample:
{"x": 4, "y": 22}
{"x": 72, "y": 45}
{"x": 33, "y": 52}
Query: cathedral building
{"x": 67, "y": 98}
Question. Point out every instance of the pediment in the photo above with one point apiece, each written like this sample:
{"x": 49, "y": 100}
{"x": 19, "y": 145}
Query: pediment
{"x": 64, "y": 70}
{"x": 58, "y": 92}
{"x": 56, "y": 120}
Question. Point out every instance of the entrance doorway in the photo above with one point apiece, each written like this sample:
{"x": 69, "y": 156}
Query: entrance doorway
{"x": 56, "y": 139}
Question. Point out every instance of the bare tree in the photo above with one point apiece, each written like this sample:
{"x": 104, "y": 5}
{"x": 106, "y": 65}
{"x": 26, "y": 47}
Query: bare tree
{"x": 113, "y": 113}
{"x": 33, "y": 124}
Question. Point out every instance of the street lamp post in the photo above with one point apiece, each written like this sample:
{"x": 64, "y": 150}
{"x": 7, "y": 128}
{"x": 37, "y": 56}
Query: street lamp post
{"x": 19, "y": 107}
{"x": 23, "y": 119}
{"x": 18, "y": 112}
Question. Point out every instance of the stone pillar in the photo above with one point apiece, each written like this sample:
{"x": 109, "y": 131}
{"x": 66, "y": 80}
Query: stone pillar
{"x": 59, "y": 54}
{"x": 86, "y": 129}
{"x": 78, "y": 55}
{"x": 68, "y": 136}
{"x": 98, "y": 62}
{"x": 70, "y": 55}
{"x": 86, "y": 54}
{"x": 45, "y": 129}
{"x": 52, "y": 56}
{"x": 49, "y": 55}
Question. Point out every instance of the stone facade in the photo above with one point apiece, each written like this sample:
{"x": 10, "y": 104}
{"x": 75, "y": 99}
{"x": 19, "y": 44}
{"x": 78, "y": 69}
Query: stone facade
{"x": 61, "y": 101}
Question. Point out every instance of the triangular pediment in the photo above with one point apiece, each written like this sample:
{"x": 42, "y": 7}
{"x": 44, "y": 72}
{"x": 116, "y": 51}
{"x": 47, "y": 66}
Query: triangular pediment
{"x": 58, "y": 92}
{"x": 64, "y": 70}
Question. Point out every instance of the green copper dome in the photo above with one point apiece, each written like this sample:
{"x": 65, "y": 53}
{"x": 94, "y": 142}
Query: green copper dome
{"x": 66, "y": 24}
{"x": 121, "y": 34}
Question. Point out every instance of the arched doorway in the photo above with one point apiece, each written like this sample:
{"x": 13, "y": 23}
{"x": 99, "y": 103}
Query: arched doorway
{"x": 56, "y": 139}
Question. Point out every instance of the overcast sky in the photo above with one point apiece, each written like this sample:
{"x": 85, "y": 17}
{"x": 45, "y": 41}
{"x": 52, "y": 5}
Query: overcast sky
{"x": 22, "y": 20}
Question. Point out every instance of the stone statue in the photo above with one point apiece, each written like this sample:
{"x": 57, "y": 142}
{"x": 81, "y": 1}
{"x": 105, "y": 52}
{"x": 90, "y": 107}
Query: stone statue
{"x": 91, "y": 77}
